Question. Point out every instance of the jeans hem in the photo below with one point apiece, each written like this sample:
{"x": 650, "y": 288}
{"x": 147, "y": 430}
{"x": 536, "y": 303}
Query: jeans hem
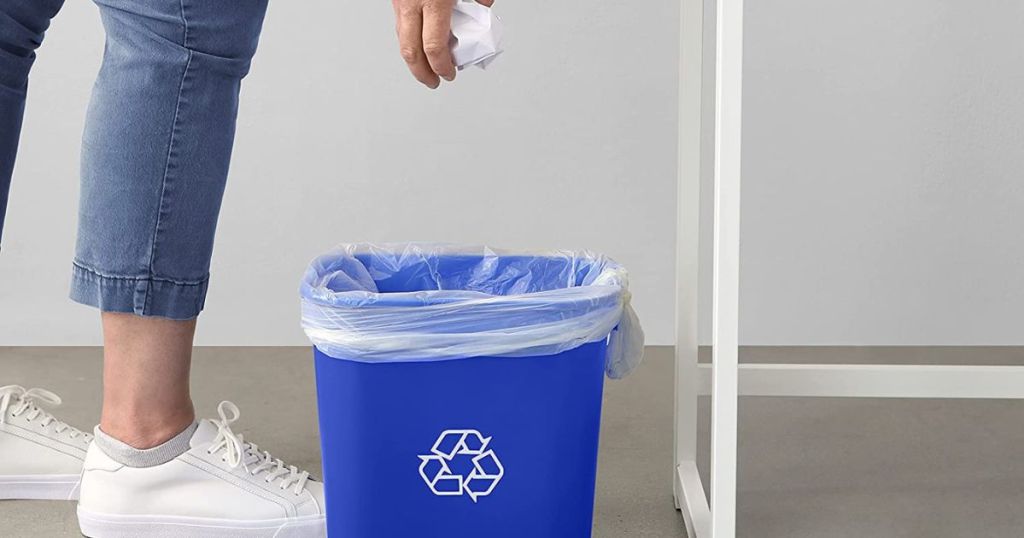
{"x": 144, "y": 296}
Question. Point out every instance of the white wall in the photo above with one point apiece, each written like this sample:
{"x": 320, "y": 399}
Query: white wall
{"x": 882, "y": 184}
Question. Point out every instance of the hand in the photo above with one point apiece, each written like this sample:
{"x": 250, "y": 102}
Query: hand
{"x": 424, "y": 35}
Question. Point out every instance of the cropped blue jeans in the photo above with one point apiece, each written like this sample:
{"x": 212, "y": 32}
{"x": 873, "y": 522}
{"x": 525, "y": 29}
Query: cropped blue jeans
{"x": 157, "y": 143}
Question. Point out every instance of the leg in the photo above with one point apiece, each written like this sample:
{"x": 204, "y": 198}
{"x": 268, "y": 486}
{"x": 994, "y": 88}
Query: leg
{"x": 22, "y": 23}
{"x": 145, "y": 378}
{"x": 40, "y": 456}
{"x": 155, "y": 159}
{"x": 726, "y": 304}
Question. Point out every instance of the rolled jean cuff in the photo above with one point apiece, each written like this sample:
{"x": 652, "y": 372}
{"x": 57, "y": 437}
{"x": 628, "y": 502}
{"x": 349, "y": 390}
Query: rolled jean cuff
{"x": 144, "y": 296}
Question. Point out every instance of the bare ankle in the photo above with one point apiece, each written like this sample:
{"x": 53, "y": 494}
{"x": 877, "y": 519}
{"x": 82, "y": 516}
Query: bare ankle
{"x": 146, "y": 430}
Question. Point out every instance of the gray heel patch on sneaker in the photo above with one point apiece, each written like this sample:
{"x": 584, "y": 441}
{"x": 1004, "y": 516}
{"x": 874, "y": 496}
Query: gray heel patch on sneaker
{"x": 130, "y": 456}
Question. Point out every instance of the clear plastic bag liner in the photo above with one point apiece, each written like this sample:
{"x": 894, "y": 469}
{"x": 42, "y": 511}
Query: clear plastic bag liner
{"x": 434, "y": 302}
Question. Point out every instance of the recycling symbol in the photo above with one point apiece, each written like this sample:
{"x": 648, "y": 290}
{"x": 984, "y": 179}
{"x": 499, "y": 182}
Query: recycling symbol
{"x": 461, "y": 463}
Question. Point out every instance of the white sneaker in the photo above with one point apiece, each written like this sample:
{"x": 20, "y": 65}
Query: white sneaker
{"x": 40, "y": 456}
{"x": 222, "y": 487}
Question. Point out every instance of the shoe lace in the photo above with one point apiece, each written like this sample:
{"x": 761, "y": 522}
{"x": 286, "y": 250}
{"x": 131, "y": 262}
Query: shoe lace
{"x": 21, "y": 401}
{"x": 240, "y": 453}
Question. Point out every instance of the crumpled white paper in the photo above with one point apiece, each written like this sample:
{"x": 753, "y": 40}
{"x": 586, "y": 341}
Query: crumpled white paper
{"x": 476, "y": 35}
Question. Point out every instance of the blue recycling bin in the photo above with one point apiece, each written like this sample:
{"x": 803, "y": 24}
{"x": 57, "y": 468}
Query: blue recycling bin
{"x": 422, "y": 438}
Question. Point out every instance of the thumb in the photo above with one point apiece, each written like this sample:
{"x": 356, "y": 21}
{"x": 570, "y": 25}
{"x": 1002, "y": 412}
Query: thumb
{"x": 487, "y": 3}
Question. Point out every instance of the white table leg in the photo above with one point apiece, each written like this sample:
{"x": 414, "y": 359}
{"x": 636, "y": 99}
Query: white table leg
{"x": 688, "y": 490}
{"x": 688, "y": 232}
{"x": 725, "y": 374}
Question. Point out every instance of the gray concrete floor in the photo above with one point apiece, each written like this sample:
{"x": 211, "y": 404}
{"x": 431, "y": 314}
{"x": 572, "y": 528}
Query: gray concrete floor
{"x": 808, "y": 468}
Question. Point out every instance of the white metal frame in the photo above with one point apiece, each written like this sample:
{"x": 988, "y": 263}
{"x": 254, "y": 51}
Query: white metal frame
{"x": 725, "y": 380}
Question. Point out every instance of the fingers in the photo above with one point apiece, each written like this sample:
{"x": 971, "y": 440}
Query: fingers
{"x": 437, "y": 28}
{"x": 410, "y": 40}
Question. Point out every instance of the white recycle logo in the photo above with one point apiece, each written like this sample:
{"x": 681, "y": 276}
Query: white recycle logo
{"x": 436, "y": 470}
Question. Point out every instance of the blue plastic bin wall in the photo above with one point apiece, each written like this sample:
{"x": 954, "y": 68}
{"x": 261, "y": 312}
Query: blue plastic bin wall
{"x": 431, "y": 444}
{"x": 399, "y": 443}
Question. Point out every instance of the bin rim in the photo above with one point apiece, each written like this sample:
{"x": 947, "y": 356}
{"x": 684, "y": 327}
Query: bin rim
{"x": 609, "y": 285}
{"x": 534, "y": 309}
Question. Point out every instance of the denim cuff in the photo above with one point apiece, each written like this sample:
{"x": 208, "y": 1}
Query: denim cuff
{"x": 144, "y": 296}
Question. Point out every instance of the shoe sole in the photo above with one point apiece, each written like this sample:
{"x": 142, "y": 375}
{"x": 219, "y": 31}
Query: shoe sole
{"x": 95, "y": 525}
{"x": 40, "y": 487}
